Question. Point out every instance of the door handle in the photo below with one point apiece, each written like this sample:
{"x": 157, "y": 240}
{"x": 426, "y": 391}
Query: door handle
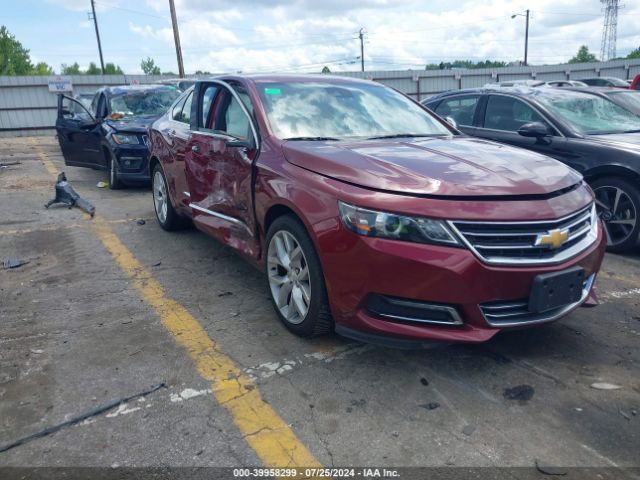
{"x": 195, "y": 149}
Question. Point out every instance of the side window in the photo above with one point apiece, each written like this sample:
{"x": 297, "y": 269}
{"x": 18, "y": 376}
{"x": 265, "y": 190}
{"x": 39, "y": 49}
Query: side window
{"x": 207, "y": 103}
{"x": 509, "y": 114}
{"x": 94, "y": 104}
{"x": 461, "y": 109}
{"x": 101, "y": 112}
{"x": 185, "y": 116}
{"x": 177, "y": 109}
{"x": 231, "y": 119}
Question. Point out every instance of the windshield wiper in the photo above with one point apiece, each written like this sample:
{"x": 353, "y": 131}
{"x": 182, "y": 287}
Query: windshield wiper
{"x": 313, "y": 139}
{"x": 405, "y": 135}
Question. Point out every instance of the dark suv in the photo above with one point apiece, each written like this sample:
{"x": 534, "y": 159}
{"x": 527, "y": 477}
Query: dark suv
{"x": 111, "y": 133}
{"x": 590, "y": 133}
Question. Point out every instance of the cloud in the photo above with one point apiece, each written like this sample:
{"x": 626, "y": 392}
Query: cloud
{"x": 304, "y": 35}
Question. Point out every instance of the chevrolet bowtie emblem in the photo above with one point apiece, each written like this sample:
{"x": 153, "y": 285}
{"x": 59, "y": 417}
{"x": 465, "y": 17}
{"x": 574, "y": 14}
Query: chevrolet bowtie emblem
{"x": 553, "y": 238}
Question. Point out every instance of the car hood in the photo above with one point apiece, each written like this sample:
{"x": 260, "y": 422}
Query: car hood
{"x": 135, "y": 124}
{"x": 455, "y": 166}
{"x": 626, "y": 141}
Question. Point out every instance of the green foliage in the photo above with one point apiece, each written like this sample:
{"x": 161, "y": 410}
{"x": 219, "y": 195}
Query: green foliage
{"x": 583, "y": 56}
{"x": 149, "y": 67}
{"x": 465, "y": 64}
{"x": 73, "y": 69}
{"x": 635, "y": 53}
{"x": 93, "y": 69}
{"x": 111, "y": 69}
{"x": 326, "y": 69}
{"x": 42, "y": 68}
{"x": 14, "y": 58}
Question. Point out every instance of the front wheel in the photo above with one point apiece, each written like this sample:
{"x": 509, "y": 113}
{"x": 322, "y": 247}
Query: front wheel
{"x": 114, "y": 180}
{"x": 167, "y": 217}
{"x": 618, "y": 205}
{"x": 295, "y": 277}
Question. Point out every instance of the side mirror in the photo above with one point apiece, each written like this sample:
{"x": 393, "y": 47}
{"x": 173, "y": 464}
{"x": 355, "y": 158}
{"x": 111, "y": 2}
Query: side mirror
{"x": 451, "y": 121}
{"x": 533, "y": 130}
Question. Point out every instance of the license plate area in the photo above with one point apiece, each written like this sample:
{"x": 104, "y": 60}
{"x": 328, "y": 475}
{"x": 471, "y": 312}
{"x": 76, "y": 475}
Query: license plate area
{"x": 556, "y": 289}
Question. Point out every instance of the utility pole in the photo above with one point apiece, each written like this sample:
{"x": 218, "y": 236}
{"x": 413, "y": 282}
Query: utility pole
{"x": 176, "y": 37}
{"x": 361, "y": 36}
{"x": 526, "y": 34}
{"x": 95, "y": 23}
{"x": 526, "y": 39}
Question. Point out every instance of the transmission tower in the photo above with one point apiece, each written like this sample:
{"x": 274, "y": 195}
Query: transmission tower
{"x": 609, "y": 29}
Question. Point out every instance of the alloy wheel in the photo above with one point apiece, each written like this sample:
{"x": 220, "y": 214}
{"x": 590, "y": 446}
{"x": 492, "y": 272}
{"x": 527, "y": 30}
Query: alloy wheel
{"x": 618, "y": 213}
{"x": 289, "y": 278}
{"x": 160, "y": 196}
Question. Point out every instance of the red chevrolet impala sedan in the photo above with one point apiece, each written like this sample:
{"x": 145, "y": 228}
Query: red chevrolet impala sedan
{"x": 372, "y": 216}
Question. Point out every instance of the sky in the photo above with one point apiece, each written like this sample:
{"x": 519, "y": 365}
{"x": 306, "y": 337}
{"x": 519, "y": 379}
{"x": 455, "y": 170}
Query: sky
{"x": 224, "y": 36}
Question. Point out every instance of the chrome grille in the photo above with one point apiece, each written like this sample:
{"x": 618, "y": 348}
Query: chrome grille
{"x": 508, "y": 313}
{"x": 518, "y": 243}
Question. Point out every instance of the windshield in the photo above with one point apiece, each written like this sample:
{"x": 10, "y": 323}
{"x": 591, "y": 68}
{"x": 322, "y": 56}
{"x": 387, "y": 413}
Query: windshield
{"x": 143, "y": 102}
{"x": 335, "y": 111}
{"x": 617, "y": 82}
{"x": 590, "y": 114}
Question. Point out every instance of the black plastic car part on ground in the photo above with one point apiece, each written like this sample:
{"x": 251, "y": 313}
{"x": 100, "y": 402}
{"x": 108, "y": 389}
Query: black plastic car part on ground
{"x": 112, "y": 133}
{"x": 590, "y": 133}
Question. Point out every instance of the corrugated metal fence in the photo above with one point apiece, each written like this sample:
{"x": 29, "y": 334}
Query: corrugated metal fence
{"x": 28, "y": 108}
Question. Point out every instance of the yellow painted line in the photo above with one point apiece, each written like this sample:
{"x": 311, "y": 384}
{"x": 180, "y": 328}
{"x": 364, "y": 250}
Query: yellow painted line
{"x": 264, "y": 430}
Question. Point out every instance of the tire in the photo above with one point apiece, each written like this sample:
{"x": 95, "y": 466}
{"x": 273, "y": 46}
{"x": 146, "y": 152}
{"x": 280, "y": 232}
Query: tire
{"x": 166, "y": 215}
{"x": 114, "y": 181}
{"x": 618, "y": 205}
{"x": 291, "y": 289}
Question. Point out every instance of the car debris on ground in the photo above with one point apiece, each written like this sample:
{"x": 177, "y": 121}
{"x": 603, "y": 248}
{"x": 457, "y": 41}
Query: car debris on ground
{"x": 66, "y": 195}
{"x": 13, "y": 263}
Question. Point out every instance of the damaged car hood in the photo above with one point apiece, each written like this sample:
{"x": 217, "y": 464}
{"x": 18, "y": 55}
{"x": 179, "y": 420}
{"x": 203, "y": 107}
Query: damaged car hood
{"x": 442, "y": 166}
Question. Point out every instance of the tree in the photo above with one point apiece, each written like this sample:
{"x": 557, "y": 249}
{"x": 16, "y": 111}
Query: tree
{"x": 93, "y": 69}
{"x": 149, "y": 66}
{"x": 14, "y": 58}
{"x": 111, "y": 69}
{"x": 634, "y": 53}
{"x": 73, "y": 69}
{"x": 42, "y": 68}
{"x": 326, "y": 69}
{"x": 583, "y": 56}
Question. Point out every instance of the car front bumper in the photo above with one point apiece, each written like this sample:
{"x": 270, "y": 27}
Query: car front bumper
{"x": 450, "y": 279}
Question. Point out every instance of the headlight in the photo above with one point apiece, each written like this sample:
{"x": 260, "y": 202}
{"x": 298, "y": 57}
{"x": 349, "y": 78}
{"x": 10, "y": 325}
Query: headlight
{"x": 370, "y": 223}
{"x": 124, "y": 139}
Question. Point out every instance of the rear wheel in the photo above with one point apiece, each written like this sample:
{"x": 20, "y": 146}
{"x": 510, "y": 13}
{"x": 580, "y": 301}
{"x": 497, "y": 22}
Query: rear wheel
{"x": 618, "y": 205}
{"x": 167, "y": 217}
{"x": 295, "y": 279}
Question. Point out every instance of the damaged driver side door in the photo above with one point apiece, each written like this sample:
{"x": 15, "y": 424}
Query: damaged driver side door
{"x": 219, "y": 162}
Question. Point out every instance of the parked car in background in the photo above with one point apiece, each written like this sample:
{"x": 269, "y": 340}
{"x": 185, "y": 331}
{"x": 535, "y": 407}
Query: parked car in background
{"x": 591, "y": 134}
{"x": 181, "y": 84}
{"x": 111, "y": 134}
{"x": 627, "y": 99}
{"x": 566, "y": 83}
{"x": 368, "y": 212}
{"x": 605, "y": 82}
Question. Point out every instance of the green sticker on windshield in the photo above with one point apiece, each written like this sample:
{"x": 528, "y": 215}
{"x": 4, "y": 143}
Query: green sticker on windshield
{"x": 272, "y": 91}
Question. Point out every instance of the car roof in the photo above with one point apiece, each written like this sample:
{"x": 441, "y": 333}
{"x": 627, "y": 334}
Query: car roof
{"x": 123, "y": 89}
{"x": 272, "y": 77}
{"x": 519, "y": 91}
